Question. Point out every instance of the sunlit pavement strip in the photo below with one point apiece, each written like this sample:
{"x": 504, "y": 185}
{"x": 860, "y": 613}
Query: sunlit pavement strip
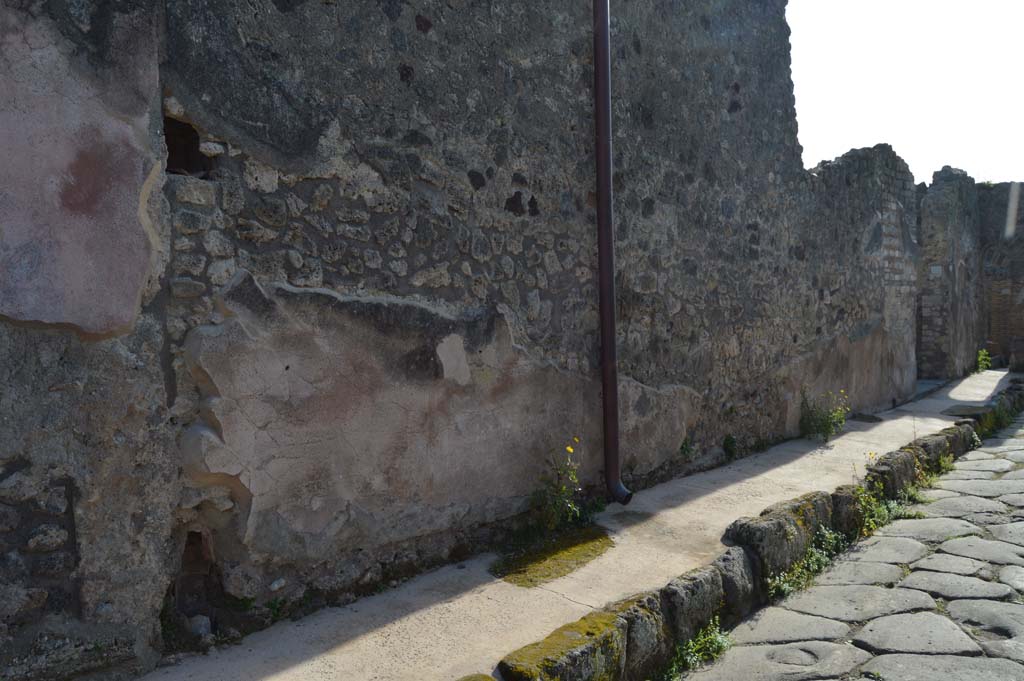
{"x": 935, "y": 598}
{"x": 459, "y": 620}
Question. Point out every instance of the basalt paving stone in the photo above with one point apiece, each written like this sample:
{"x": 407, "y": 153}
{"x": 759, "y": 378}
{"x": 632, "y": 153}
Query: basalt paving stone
{"x": 1012, "y": 533}
{"x": 860, "y": 572}
{"x": 989, "y": 551}
{"x": 983, "y": 488}
{"x": 1000, "y": 442}
{"x": 922, "y": 633}
{"x": 1010, "y": 453}
{"x": 936, "y": 494}
{"x": 942, "y": 668}
{"x": 1013, "y": 475}
{"x": 1013, "y": 577}
{"x": 977, "y": 456}
{"x": 949, "y": 586}
{"x": 970, "y": 475}
{"x": 1013, "y": 500}
{"x": 991, "y": 465}
{"x": 943, "y": 562}
{"x": 857, "y": 603}
{"x": 1011, "y": 649}
{"x": 778, "y": 625}
{"x": 805, "y": 661}
{"x": 929, "y": 529}
{"x": 988, "y": 518}
{"x": 888, "y": 550}
{"x": 1006, "y": 620}
{"x": 1016, "y": 456}
{"x": 1001, "y": 625}
{"x": 1003, "y": 451}
{"x": 957, "y": 507}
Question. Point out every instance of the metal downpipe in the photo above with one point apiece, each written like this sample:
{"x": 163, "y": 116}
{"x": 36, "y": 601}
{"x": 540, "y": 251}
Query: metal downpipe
{"x": 606, "y": 254}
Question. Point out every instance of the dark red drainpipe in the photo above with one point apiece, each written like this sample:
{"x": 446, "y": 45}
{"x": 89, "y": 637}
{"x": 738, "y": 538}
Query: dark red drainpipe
{"x": 606, "y": 254}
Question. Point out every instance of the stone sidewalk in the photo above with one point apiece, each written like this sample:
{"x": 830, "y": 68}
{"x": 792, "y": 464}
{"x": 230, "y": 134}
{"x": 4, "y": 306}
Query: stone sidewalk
{"x": 925, "y": 599}
{"x": 459, "y": 620}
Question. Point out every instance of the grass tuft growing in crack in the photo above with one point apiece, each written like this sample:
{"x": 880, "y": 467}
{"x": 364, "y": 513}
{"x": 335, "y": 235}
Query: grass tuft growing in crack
{"x": 876, "y": 511}
{"x": 705, "y": 647}
{"x": 826, "y": 546}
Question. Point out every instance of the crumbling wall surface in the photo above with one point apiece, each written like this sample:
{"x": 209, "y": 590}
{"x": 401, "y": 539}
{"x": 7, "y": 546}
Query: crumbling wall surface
{"x": 343, "y": 345}
{"x": 87, "y": 491}
{"x": 1003, "y": 263}
{"x": 353, "y": 422}
{"x": 412, "y": 166}
{"x": 88, "y": 477}
{"x": 951, "y": 310}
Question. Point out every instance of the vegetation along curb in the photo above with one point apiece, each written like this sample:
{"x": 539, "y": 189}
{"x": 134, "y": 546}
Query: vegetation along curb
{"x": 636, "y": 639}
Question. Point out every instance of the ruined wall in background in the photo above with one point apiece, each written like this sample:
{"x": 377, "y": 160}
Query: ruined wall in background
{"x": 951, "y": 308}
{"x": 359, "y": 314}
{"x": 1004, "y": 272}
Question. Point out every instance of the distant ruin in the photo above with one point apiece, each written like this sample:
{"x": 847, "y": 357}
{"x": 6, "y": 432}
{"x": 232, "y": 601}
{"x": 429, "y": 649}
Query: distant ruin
{"x": 297, "y": 297}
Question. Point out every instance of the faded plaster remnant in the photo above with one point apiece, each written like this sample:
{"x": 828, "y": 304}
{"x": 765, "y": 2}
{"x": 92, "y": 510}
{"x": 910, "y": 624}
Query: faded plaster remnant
{"x": 356, "y": 422}
{"x": 452, "y": 353}
{"x": 73, "y": 248}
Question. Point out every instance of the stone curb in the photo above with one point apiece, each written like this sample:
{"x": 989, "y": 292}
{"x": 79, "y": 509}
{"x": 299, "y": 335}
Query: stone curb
{"x": 635, "y": 638}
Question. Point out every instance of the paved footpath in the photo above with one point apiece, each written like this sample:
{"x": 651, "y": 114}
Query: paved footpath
{"x": 459, "y": 620}
{"x": 935, "y": 598}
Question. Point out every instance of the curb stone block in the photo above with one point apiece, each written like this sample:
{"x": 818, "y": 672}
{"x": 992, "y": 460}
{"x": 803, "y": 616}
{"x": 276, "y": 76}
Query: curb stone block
{"x": 847, "y": 518}
{"x": 960, "y": 440}
{"x": 590, "y": 649}
{"x": 782, "y": 533}
{"x": 895, "y": 471}
{"x": 934, "y": 448}
{"x": 649, "y": 643}
{"x": 741, "y": 584}
{"x": 691, "y": 600}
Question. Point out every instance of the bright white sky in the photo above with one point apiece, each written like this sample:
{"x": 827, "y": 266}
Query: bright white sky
{"x": 942, "y": 81}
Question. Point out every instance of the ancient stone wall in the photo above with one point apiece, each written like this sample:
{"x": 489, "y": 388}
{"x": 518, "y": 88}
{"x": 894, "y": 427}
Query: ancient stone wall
{"x": 951, "y": 305}
{"x": 328, "y": 328}
{"x": 88, "y": 470}
{"x": 1004, "y": 271}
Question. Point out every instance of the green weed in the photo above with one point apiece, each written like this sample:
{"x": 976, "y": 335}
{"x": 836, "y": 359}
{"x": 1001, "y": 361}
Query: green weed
{"x": 559, "y": 502}
{"x": 731, "y": 447}
{"x": 946, "y": 463}
{"x": 877, "y": 511}
{"x": 984, "y": 360}
{"x": 825, "y": 419}
{"x": 276, "y": 608}
{"x": 706, "y": 646}
{"x": 827, "y": 544}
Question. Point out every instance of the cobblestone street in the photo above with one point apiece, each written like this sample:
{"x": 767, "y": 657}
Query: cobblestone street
{"x": 931, "y": 598}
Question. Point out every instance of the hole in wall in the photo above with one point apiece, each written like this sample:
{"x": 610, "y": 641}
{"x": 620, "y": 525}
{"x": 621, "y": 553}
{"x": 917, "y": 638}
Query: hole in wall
{"x": 191, "y": 590}
{"x": 183, "y": 154}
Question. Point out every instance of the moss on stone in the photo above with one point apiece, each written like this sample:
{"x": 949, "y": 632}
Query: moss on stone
{"x": 590, "y": 648}
{"x": 477, "y": 677}
{"x": 555, "y": 557}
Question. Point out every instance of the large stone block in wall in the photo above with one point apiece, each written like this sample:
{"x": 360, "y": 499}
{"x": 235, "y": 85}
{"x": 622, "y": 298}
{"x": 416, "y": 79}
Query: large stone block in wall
{"x": 78, "y": 168}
